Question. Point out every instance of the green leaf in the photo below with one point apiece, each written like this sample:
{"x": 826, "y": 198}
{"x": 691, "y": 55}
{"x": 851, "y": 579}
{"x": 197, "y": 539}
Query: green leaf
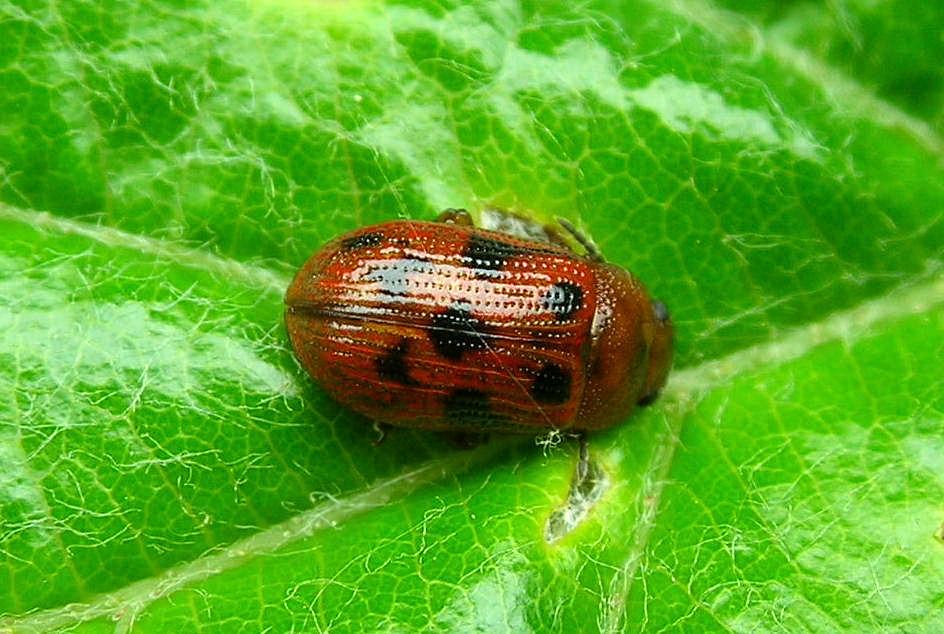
{"x": 164, "y": 169}
{"x": 892, "y": 46}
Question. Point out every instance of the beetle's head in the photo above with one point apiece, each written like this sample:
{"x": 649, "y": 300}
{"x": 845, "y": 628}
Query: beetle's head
{"x": 630, "y": 349}
{"x": 660, "y": 351}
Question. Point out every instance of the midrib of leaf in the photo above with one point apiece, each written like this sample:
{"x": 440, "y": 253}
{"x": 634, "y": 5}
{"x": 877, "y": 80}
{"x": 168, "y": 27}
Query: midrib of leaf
{"x": 849, "y": 94}
{"x": 686, "y": 388}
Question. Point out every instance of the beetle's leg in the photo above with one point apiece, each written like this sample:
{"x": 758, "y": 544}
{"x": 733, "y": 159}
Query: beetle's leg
{"x": 648, "y": 399}
{"x": 592, "y": 252}
{"x": 456, "y": 217}
{"x": 553, "y": 235}
{"x": 583, "y": 464}
{"x": 381, "y": 429}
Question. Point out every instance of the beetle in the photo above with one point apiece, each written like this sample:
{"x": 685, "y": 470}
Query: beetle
{"x": 445, "y": 326}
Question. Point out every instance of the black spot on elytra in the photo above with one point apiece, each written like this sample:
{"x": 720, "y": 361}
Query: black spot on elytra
{"x": 564, "y": 299}
{"x": 490, "y": 254}
{"x": 392, "y": 365}
{"x": 362, "y": 241}
{"x": 551, "y": 385}
{"x": 469, "y": 407}
{"x": 456, "y": 331}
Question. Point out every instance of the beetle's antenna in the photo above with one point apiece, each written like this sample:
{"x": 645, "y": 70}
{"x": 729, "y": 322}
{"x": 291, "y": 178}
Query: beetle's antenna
{"x": 592, "y": 252}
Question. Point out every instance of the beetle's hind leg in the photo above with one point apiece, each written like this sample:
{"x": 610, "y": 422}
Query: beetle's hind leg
{"x": 592, "y": 252}
{"x": 381, "y": 429}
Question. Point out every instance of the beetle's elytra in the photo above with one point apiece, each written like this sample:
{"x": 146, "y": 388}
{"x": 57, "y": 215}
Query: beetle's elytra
{"x": 439, "y": 325}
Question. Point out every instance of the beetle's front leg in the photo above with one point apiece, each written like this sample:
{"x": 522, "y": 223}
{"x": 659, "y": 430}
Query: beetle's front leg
{"x": 459, "y": 217}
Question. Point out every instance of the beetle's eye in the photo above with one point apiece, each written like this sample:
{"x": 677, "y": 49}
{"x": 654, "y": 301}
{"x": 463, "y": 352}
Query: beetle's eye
{"x": 660, "y": 311}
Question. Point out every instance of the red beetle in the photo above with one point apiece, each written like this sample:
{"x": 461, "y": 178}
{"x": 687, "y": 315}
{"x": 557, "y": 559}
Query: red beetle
{"x": 439, "y": 325}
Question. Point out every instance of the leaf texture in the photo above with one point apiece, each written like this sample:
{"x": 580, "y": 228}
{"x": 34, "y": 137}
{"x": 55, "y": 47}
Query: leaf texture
{"x": 166, "y": 167}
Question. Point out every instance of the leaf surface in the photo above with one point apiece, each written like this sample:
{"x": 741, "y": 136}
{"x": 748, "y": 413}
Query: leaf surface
{"x": 166, "y": 464}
